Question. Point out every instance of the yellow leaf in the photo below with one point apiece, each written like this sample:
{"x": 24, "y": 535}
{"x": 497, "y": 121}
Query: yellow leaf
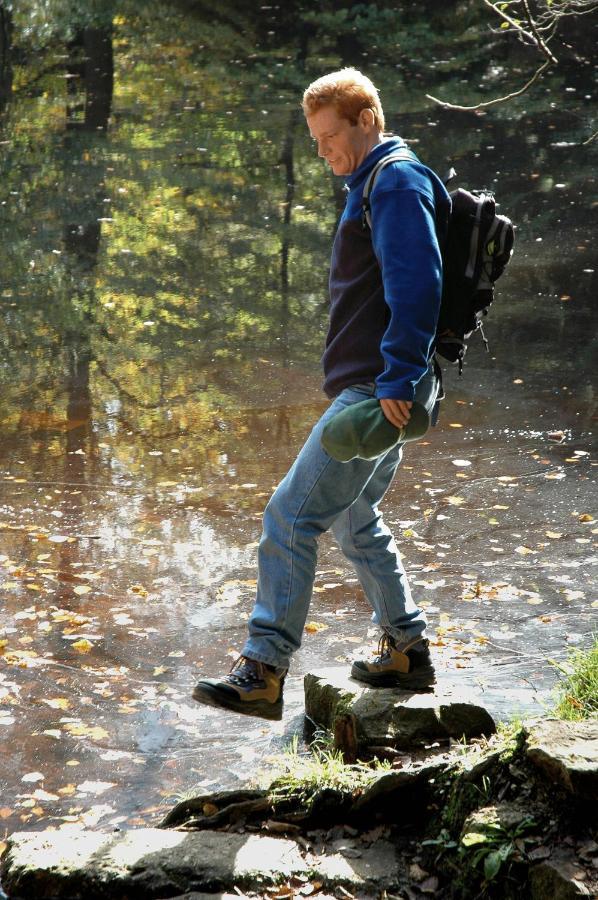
{"x": 313, "y": 627}
{"x": 81, "y": 589}
{"x": 58, "y": 702}
{"x": 455, "y": 501}
{"x": 554, "y": 534}
{"x": 586, "y": 517}
{"x": 523, "y": 551}
{"x": 82, "y": 646}
{"x": 79, "y": 729}
{"x": 159, "y": 670}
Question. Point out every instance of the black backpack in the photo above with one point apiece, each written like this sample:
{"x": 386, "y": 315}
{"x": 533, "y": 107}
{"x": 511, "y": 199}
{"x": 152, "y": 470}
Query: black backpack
{"x": 478, "y": 246}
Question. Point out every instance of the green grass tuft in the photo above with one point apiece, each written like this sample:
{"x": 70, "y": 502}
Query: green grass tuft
{"x": 577, "y": 694}
{"x": 301, "y": 775}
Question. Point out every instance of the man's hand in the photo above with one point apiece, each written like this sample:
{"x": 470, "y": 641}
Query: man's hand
{"x": 396, "y": 411}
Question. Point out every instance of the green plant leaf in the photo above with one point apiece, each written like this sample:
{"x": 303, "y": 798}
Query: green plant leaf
{"x": 492, "y": 864}
{"x": 473, "y": 837}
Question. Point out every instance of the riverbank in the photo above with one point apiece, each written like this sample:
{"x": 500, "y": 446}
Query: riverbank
{"x": 508, "y": 813}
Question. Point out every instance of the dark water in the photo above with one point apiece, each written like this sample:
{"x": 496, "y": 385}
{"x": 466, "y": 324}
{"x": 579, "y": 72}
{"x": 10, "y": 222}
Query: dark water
{"x": 166, "y": 231}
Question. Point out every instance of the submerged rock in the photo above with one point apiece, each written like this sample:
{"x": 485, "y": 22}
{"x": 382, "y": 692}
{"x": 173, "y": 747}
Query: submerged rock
{"x": 361, "y": 717}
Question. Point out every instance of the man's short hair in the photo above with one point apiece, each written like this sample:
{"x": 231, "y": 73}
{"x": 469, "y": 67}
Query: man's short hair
{"x": 349, "y": 91}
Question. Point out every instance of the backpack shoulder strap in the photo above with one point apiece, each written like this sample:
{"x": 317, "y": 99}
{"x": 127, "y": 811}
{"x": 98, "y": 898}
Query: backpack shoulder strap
{"x": 401, "y": 155}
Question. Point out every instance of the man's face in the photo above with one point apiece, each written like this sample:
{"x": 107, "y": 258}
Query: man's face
{"x": 342, "y": 145}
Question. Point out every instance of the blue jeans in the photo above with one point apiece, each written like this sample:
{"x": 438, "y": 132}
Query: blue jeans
{"x": 319, "y": 493}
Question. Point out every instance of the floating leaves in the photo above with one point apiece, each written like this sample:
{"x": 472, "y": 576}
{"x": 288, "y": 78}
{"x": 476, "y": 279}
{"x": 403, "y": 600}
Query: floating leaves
{"x": 82, "y": 645}
{"x": 80, "y": 729}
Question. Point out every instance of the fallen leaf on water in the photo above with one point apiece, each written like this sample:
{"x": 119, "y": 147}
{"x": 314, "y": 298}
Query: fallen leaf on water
{"x": 58, "y": 702}
{"x": 82, "y": 646}
{"x": 95, "y": 787}
{"x": 523, "y": 551}
{"x": 586, "y": 517}
{"x": 454, "y": 500}
{"x": 558, "y": 436}
{"x": 79, "y": 729}
{"x": 67, "y": 790}
{"x": 461, "y": 462}
{"x": 160, "y": 670}
{"x": 554, "y": 534}
{"x": 33, "y": 776}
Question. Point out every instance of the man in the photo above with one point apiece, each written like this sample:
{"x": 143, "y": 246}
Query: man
{"x": 385, "y": 288}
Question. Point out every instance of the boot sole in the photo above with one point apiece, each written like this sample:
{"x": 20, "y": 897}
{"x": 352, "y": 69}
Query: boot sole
{"x": 210, "y": 696}
{"x": 423, "y": 679}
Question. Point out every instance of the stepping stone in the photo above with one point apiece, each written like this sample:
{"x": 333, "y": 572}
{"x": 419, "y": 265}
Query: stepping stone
{"x": 362, "y": 718}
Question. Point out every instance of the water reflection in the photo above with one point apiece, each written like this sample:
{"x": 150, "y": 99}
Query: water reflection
{"x": 163, "y": 308}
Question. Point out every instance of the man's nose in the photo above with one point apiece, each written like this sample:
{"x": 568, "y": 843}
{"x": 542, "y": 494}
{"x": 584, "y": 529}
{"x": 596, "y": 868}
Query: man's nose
{"x": 322, "y": 148}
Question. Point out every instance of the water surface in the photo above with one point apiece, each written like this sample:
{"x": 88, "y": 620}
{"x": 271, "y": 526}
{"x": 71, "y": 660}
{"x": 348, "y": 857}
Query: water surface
{"x": 167, "y": 228}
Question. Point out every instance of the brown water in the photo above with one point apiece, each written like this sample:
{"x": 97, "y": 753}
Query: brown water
{"x": 164, "y": 308}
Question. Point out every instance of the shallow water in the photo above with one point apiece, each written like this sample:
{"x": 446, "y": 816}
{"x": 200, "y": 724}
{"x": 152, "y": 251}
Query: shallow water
{"x": 164, "y": 308}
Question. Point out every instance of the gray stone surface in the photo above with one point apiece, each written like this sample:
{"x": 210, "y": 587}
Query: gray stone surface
{"x": 362, "y": 717}
{"x": 567, "y": 753}
{"x": 156, "y": 863}
{"x": 141, "y": 863}
{"x": 558, "y": 879}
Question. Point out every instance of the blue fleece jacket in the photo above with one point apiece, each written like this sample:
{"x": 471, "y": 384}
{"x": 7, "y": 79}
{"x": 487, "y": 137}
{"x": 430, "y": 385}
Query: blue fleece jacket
{"x": 385, "y": 286}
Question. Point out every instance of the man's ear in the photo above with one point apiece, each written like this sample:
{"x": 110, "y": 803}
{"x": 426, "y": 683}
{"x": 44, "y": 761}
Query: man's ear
{"x": 366, "y": 119}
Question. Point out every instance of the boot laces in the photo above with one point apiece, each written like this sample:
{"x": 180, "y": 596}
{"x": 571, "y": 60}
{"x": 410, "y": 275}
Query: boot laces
{"x": 385, "y": 648}
{"x": 246, "y": 671}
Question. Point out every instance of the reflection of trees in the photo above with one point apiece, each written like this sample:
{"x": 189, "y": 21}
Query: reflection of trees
{"x": 6, "y": 29}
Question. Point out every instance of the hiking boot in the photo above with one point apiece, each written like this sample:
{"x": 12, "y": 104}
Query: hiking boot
{"x": 407, "y": 666}
{"x": 251, "y": 687}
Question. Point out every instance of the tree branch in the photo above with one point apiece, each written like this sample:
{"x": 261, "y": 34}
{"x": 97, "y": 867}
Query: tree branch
{"x": 483, "y": 105}
{"x": 536, "y": 37}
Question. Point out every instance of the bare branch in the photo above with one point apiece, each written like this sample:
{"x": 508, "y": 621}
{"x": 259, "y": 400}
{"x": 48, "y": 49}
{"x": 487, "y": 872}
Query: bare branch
{"x": 503, "y": 15}
{"x": 591, "y": 138}
{"x": 483, "y": 105}
{"x": 538, "y": 40}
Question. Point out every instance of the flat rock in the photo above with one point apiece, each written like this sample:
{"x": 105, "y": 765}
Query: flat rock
{"x": 362, "y": 717}
{"x": 558, "y": 879}
{"x": 145, "y": 862}
{"x": 157, "y": 863}
{"x": 567, "y": 753}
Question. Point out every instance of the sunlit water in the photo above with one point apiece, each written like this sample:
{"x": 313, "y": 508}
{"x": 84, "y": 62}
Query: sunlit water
{"x": 164, "y": 307}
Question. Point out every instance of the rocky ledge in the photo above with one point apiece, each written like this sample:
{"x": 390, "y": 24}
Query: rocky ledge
{"x": 508, "y": 816}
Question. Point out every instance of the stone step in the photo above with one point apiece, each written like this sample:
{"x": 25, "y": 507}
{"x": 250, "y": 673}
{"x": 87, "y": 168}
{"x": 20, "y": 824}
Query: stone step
{"x": 361, "y": 717}
{"x": 150, "y": 863}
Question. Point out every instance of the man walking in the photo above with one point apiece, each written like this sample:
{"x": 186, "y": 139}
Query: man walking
{"x": 385, "y": 289}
